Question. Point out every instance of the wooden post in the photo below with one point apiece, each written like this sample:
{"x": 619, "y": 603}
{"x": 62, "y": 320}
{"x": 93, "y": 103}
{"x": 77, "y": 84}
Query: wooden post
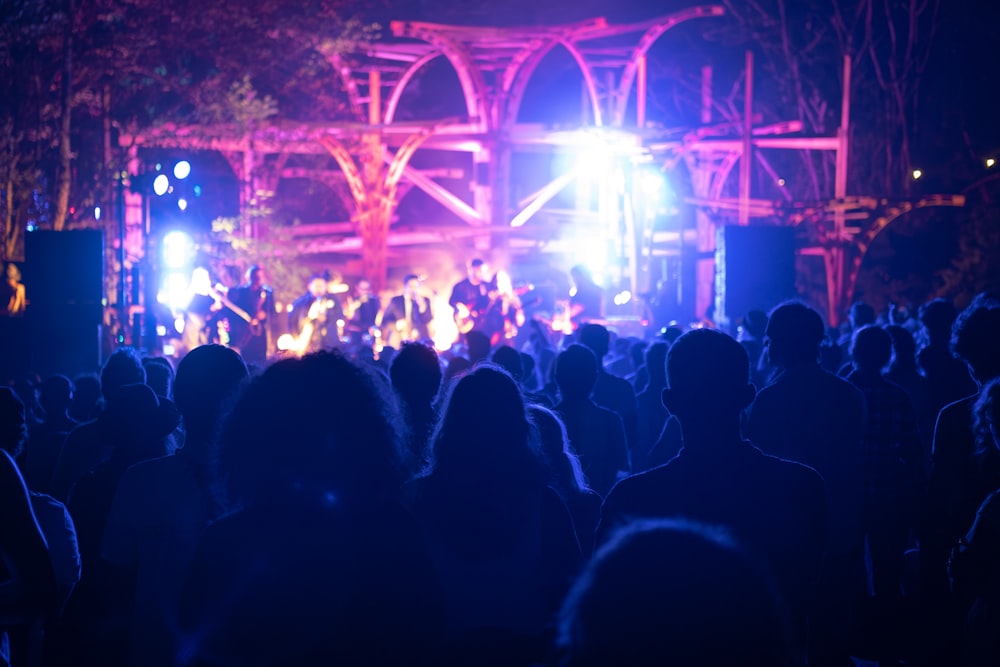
{"x": 746, "y": 157}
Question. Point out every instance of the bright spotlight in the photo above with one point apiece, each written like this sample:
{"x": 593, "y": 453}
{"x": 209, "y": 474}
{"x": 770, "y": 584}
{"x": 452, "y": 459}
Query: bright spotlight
{"x": 182, "y": 170}
{"x": 182, "y": 204}
{"x": 97, "y": 213}
{"x": 652, "y": 183}
{"x": 161, "y": 184}
{"x": 917, "y": 174}
{"x": 990, "y": 162}
{"x": 178, "y": 249}
{"x": 175, "y": 291}
{"x": 622, "y": 298}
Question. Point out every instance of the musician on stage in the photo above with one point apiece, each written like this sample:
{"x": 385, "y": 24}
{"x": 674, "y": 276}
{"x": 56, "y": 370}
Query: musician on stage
{"x": 408, "y": 315}
{"x": 313, "y": 318}
{"x": 363, "y": 313}
{"x": 254, "y": 299}
{"x": 470, "y": 297}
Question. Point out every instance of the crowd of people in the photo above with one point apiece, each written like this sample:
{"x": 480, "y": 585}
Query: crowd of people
{"x": 788, "y": 495}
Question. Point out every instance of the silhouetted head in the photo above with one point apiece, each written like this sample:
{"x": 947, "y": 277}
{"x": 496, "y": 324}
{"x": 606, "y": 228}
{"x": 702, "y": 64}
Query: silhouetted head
{"x": 861, "y": 314}
{"x": 670, "y": 592}
{"x": 208, "y": 379}
{"x": 87, "y": 396}
{"x": 637, "y": 351}
{"x": 708, "y": 376}
{"x": 159, "y": 375}
{"x": 456, "y": 368}
{"x": 596, "y": 337}
{"x": 56, "y": 395}
{"x": 509, "y": 359}
{"x": 416, "y": 374}
{"x": 755, "y": 323}
{"x": 794, "y": 333}
{"x": 671, "y": 333}
{"x": 904, "y": 347}
{"x": 479, "y": 346}
{"x": 987, "y": 416}
{"x": 974, "y": 336}
{"x": 320, "y": 429}
{"x": 937, "y": 316}
{"x": 576, "y": 371}
{"x": 13, "y": 423}
{"x": 483, "y": 431}
{"x": 871, "y": 348}
{"x": 123, "y": 367}
{"x": 137, "y": 422}
{"x": 656, "y": 360}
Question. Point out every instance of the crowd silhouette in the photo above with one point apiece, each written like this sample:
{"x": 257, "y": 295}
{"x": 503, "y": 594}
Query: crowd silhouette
{"x": 788, "y": 495}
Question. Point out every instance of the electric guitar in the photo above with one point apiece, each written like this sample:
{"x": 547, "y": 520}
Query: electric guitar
{"x": 218, "y": 293}
{"x": 467, "y": 318}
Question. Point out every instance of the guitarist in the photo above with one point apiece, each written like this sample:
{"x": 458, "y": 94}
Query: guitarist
{"x": 471, "y": 298}
{"x": 255, "y": 299}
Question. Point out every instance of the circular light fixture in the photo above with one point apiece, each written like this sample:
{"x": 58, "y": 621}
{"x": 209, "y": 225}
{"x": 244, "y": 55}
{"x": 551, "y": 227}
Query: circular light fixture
{"x": 182, "y": 169}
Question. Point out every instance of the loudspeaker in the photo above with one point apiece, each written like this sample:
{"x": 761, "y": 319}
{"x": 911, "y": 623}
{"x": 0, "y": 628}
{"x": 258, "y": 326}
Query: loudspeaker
{"x": 754, "y": 269}
{"x": 65, "y": 269}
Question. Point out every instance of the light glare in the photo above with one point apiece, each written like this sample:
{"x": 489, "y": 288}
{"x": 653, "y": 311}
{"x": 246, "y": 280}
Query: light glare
{"x": 182, "y": 170}
{"x": 178, "y": 249}
{"x": 161, "y": 184}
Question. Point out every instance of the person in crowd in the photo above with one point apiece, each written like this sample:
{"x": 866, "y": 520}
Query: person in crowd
{"x": 136, "y": 426}
{"x": 961, "y": 475}
{"x": 566, "y": 474}
{"x": 775, "y": 508}
{"x": 512, "y": 361}
{"x": 416, "y": 377}
{"x": 652, "y": 414}
{"x": 893, "y": 479}
{"x": 55, "y": 523}
{"x": 610, "y": 391}
{"x": 86, "y": 447}
{"x": 596, "y": 434}
{"x": 974, "y": 564}
{"x": 811, "y": 416}
{"x": 673, "y": 592}
{"x": 948, "y": 376}
{"x": 46, "y": 438}
{"x": 161, "y": 506}
{"x": 28, "y": 588}
{"x": 315, "y": 561}
{"x": 860, "y": 314}
{"x": 502, "y": 540}
{"x": 88, "y": 400}
{"x": 904, "y": 371}
{"x": 160, "y": 376}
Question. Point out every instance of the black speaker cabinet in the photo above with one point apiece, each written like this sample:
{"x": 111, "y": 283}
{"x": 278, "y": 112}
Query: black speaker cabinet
{"x": 65, "y": 269}
{"x": 754, "y": 269}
